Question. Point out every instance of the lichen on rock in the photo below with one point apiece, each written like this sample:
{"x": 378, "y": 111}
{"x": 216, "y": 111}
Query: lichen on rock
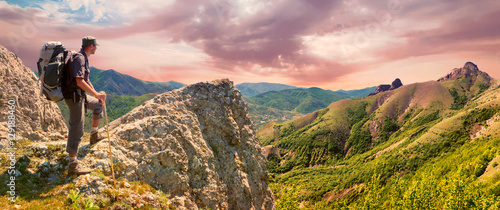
{"x": 197, "y": 144}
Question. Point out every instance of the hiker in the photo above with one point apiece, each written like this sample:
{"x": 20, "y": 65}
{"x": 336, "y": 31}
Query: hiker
{"x": 74, "y": 91}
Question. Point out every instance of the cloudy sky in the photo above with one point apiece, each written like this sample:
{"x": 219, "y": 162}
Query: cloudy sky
{"x": 348, "y": 44}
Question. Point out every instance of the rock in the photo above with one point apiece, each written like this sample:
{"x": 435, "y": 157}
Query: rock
{"x": 35, "y": 117}
{"x": 197, "y": 144}
{"x": 469, "y": 70}
{"x": 385, "y": 87}
{"x": 4, "y": 143}
{"x": 90, "y": 185}
{"x": 396, "y": 84}
{"x": 127, "y": 185}
{"x": 52, "y": 178}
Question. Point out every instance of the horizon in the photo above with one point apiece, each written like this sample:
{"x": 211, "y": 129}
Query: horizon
{"x": 341, "y": 45}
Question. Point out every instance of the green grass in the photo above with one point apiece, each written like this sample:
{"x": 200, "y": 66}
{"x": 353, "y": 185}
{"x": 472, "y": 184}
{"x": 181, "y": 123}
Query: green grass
{"x": 437, "y": 164}
{"x": 298, "y": 100}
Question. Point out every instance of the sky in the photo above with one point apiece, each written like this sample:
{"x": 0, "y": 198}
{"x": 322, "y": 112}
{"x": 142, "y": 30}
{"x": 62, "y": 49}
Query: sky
{"x": 350, "y": 44}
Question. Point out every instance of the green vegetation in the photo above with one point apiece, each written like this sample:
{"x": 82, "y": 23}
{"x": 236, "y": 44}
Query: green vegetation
{"x": 42, "y": 182}
{"x": 389, "y": 127}
{"x": 459, "y": 101}
{"x": 113, "y": 82}
{"x": 373, "y": 153}
{"x": 279, "y": 106}
{"x": 298, "y": 100}
{"x": 253, "y": 89}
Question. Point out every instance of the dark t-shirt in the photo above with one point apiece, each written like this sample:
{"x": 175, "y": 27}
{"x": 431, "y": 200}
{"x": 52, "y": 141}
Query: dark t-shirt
{"x": 80, "y": 66}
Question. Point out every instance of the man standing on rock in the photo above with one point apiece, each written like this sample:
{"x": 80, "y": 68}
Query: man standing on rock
{"x": 75, "y": 87}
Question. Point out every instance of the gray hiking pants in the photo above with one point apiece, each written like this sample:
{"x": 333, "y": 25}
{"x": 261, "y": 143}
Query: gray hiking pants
{"x": 76, "y": 120}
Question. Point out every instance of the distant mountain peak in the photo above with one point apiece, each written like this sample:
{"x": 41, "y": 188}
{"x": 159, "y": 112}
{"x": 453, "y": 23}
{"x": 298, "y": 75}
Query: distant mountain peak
{"x": 469, "y": 70}
{"x": 471, "y": 66}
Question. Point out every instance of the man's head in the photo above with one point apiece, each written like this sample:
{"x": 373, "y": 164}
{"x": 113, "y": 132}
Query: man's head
{"x": 89, "y": 45}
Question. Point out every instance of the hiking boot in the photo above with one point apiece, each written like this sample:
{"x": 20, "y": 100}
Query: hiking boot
{"x": 96, "y": 137}
{"x": 75, "y": 168}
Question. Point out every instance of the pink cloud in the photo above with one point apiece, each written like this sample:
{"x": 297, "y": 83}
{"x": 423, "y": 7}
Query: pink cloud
{"x": 265, "y": 44}
{"x": 478, "y": 34}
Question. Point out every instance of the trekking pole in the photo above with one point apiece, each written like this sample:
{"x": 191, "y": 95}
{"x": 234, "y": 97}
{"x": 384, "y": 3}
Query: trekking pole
{"x": 109, "y": 144}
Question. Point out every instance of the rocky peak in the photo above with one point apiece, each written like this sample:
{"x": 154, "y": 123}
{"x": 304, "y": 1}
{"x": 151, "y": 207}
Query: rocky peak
{"x": 471, "y": 66}
{"x": 469, "y": 70}
{"x": 197, "y": 144}
{"x": 396, "y": 84}
{"x": 386, "y": 87}
{"x": 36, "y": 118}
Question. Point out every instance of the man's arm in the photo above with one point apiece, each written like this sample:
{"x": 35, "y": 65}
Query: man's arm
{"x": 90, "y": 84}
{"x": 89, "y": 89}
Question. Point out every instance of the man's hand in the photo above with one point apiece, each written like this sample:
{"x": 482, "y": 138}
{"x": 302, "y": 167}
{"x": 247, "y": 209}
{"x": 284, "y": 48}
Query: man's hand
{"x": 101, "y": 96}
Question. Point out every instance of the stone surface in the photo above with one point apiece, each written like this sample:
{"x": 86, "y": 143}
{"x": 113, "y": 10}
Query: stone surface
{"x": 469, "y": 70}
{"x": 36, "y": 118}
{"x": 89, "y": 184}
{"x": 396, "y": 84}
{"x": 197, "y": 144}
{"x": 385, "y": 87}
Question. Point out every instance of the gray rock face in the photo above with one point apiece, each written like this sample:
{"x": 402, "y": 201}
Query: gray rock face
{"x": 197, "y": 144}
{"x": 469, "y": 70}
{"x": 36, "y": 118}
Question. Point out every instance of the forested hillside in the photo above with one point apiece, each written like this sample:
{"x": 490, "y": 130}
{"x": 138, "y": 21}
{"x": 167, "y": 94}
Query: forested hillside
{"x": 425, "y": 145}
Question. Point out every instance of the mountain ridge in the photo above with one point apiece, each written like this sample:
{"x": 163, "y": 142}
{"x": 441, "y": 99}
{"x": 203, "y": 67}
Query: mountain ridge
{"x": 387, "y": 135}
{"x": 253, "y": 89}
{"x": 113, "y": 82}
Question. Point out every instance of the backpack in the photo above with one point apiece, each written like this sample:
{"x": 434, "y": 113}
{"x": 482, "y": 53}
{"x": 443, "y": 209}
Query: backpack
{"x": 52, "y": 68}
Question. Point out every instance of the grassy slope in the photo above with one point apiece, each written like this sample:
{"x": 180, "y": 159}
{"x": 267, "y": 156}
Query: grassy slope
{"x": 280, "y": 106}
{"x": 298, "y": 100}
{"x": 428, "y": 132}
{"x": 116, "y": 83}
{"x": 253, "y": 89}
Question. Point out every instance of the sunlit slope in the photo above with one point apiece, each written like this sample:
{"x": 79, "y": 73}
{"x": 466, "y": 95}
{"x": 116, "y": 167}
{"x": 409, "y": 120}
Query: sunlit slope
{"x": 332, "y": 156}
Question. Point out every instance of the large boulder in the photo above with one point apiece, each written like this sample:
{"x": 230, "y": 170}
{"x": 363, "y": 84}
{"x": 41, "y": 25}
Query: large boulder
{"x": 36, "y": 118}
{"x": 197, "y": 144}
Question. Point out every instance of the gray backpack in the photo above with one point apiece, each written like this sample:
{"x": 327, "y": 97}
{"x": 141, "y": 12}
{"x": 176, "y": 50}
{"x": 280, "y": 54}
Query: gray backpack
{"x": 51, "y": 66}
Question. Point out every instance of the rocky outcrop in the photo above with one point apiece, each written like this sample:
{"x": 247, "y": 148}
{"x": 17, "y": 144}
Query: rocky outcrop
{"x": 197, "y": 144}
{"x": 469, "y": 70}
{"x": 36, "y": 118}
{"x": 396, "y": 84}
{"x": 385, "y": 87}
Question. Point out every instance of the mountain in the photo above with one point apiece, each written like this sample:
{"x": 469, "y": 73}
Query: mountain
{"x": 434, "y": 142}
{"x": 278, "y": 106}
{"x": 174, "y": 84}
{"x": 253, "y": 89}
{"x": 262, "y": 115}
{"x": 113, "y": 82}
{"x": 298, "y": 100}
{"x": 33, "y": 116}
{"x": 359, "y": 93}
